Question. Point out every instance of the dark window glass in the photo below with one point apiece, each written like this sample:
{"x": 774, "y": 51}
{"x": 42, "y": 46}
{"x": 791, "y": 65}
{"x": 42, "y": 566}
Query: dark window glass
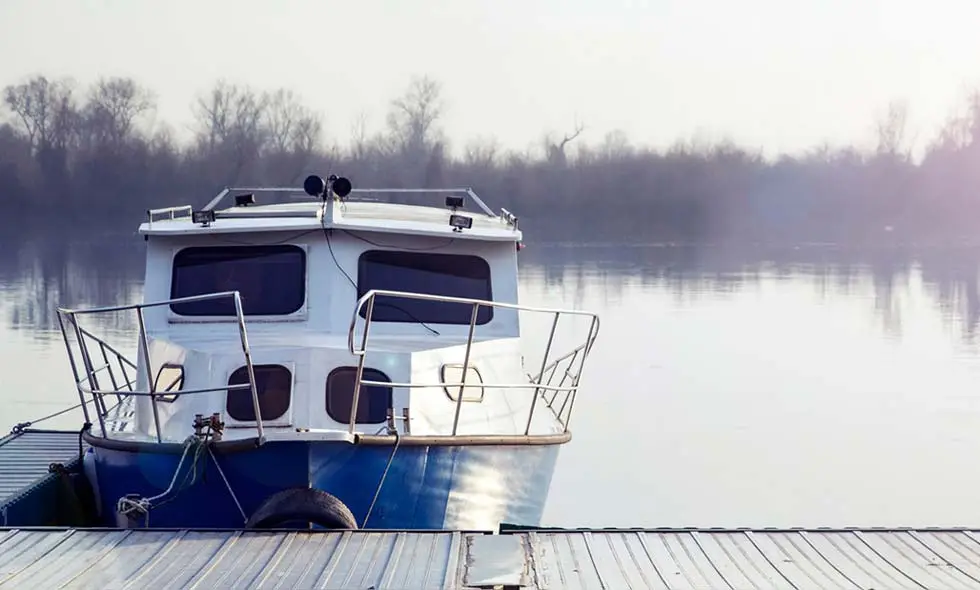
{"x": 271, "y": 279}
{"x": 452, "y": 275}
{"x": 374, "y": 401}
{"x": 273, "y": 383}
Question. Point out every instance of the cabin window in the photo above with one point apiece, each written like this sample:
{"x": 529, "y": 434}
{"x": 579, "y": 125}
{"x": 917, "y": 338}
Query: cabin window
{"x": 452, "y": 373}
{"x": 168, "y": 382}
{"x": 452, "y": 275}
{"x": 273, "y": 383}
{"x": 271, "y": 279}
{"x": 374, "y": 400}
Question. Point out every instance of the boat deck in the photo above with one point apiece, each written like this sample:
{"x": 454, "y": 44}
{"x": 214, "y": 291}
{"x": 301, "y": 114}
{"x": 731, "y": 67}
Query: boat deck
{"x": 535, "y": 559}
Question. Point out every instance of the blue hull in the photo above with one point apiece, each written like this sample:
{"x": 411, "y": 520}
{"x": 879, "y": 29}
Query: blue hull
{"x": 427, "y": 487}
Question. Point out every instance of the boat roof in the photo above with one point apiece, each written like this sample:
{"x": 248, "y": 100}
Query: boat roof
{"x": 361, "y": 210}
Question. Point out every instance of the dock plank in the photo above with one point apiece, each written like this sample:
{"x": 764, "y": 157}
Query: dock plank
{"x": 25, "y": 457}
{"x": 759, "y": 559}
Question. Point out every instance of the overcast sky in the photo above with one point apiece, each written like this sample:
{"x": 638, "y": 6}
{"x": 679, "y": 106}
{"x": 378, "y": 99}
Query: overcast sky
{"x": 780, "y": 75}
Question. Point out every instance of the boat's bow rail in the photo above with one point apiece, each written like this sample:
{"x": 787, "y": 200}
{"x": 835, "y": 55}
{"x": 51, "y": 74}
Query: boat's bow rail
{"x": 88, "y": 370}
{"x": 558, "y": 398}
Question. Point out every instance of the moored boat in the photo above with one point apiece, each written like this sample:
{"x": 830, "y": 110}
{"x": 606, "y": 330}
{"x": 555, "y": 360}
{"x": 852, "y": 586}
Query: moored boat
{"x": 261, "y": 321}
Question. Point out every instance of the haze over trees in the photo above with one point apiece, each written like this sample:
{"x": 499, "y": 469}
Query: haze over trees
{"x": 97, "y": 149}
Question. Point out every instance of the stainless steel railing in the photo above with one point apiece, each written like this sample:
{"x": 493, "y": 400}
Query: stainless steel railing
{"x": 574, "y": 360}
{"x": 87, "y": 374}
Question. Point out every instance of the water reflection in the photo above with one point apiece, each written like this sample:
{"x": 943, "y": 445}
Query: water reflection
{"x": 66, "y": 266}
{"x": 75, "y": 267}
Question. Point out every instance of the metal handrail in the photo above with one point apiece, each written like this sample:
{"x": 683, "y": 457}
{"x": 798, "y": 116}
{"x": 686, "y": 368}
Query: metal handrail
{"x": 171, "y": 211}
{"x": 469, "y": 192}
{"x": 448, "y": 299}
{"x": 90, "y": 372}
{"x": 570, "y": 391}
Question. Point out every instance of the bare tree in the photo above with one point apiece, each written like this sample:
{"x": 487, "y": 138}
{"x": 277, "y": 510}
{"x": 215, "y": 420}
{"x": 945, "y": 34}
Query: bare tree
{"x": 283, "y": 115}
{"x": 359, "y": 137}
{"x": 44, "y": 109}
{"x": 114, "y": 104}
{"x": 891, "y": 130}
{"x": 556, "y": 150}
{"x": 616, "y": 145}
{"x": 231, "y": 121}
{"x": 308, "y": 134}
{"x": 231, "y": 113}
{"x": 482, "y": 152}
{"x": 413, "y": 117}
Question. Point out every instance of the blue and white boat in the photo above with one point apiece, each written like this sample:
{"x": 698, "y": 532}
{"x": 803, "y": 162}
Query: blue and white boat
{"x": 261, "y": 319}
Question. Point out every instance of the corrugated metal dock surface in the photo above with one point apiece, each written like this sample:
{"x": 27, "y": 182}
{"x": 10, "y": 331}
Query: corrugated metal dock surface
{"x": 25, "y": 457}
{"x": 554, "y": 559}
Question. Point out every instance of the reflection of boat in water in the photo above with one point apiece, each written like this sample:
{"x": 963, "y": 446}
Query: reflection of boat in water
{"x": 260, "y": 321}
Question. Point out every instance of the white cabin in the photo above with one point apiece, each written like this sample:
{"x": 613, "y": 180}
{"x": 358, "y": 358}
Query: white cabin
{"x": 300, "y": 269}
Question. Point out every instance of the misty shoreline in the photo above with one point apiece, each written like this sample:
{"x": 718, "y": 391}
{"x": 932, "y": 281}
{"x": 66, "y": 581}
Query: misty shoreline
{"x": 94, "y": 151}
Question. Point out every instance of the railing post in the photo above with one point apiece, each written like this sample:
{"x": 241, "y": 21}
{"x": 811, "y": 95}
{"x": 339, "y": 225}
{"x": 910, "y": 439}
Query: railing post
{"x": 248, "y": 363}
{"x": 356, "y": 395}
{"x": 74, "y": 371}
{"x": 149, "y": 378}
{"x": 593, "y": 331}
{"x": 112, "y": 373}
{"x": 544, "y": 366}
{"x": 89, "y": 373}
{"x": 466, "y": 365}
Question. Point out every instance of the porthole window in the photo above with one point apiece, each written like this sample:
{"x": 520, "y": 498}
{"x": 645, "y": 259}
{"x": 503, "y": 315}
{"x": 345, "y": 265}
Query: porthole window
{"x": 374, "y": 401}
{"x": 452, "y": 373}
{"x": 273, "y": 383}
{"x": 169, "y": 381}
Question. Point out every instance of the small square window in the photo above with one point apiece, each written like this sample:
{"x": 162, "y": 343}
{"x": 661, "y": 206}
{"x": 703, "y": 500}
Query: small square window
{"x": 374, "y": 400}
{"x": 274, "y": 385}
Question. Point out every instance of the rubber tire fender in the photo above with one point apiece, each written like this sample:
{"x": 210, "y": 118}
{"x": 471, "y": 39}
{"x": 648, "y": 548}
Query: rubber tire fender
{"x": 303, "y": 505}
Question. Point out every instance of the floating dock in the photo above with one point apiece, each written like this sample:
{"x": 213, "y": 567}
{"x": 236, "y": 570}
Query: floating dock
{"x": 35, "y": 555}
{"x": 557, "y": 560}
{"x": 36, "y": 469}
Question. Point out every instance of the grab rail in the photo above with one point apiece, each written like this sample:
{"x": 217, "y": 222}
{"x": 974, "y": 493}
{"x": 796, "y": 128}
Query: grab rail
{"x": 570, "y": 391}
{"x": 90, "y": 378}
{"x": 354, "y": 193}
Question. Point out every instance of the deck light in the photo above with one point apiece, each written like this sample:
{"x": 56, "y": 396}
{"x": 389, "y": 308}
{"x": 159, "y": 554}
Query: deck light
{"x": 204, "y": 217}
{"x": 244, "y": 200}
{"x": 454, "y": 202}
{"x": 460, "y": 222}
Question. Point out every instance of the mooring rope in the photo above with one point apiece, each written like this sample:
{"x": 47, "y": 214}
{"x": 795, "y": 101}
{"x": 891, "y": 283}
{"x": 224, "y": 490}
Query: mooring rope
{"x": 20, "y": 427}
{"x": 221, "y": 472}
{"x": 133, "y": 503}
{"x": 384, "y": 474}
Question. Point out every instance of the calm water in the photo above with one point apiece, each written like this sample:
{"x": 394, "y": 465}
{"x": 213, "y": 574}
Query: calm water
{"x": 804, "y": 386}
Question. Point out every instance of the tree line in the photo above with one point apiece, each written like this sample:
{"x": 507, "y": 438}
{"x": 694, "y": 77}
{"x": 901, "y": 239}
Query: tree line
{"x": 93, "y": 150}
